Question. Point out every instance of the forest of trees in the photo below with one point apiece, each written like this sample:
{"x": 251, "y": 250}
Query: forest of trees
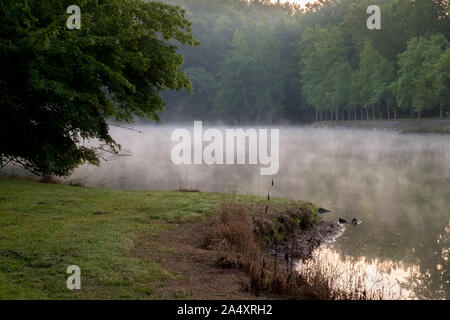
{"x": 264, "y": 62}
{"x": 258, "y": 62}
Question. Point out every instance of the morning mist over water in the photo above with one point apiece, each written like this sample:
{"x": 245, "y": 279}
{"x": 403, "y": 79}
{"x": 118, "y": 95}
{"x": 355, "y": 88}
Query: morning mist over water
{"x": 230, "y": 150}
{"x": 397, "y": 184}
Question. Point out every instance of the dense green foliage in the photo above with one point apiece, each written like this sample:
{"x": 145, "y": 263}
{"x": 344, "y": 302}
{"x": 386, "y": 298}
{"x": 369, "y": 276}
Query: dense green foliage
{"x": 59, "y": 88}
{"x": 264, "y": 62}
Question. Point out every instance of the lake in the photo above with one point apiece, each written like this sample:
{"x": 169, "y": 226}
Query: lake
{"x": 397, "y": 185}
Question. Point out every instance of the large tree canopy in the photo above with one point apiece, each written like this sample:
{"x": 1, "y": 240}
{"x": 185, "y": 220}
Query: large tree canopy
{"x": 418, "y": 66}
{"x": 59, "y": 88}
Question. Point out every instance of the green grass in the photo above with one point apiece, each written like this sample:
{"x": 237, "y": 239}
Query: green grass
{"x": 424, "y": 125}
{"x": 445, "y": 130}
{"x": 44, "y": 228}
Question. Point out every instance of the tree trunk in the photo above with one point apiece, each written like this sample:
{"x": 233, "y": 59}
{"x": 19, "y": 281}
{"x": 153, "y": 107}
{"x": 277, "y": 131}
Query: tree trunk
{"x": 373, "y": 112}
{"x": 47, "y": 178}
{"x": 395, "y": 113}
{"x": 316, "y": 116}
{"x": 354, "y": 112}
{"x": 337, "y": 113}
{"x": 440, "y": 111}
{"x": 388, "y": 112}
{"x": 367, "y": 113}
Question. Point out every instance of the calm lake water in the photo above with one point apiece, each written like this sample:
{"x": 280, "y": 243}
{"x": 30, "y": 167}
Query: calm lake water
{"x": 398, "y": 185}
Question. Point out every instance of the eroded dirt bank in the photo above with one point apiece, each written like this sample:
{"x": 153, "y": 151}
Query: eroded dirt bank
{"x": 241, "y": 253}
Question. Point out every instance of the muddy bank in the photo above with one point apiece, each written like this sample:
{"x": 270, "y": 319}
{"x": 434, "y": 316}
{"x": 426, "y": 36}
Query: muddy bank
{"x": 304, "y": 241}
{"x": 294, "y": 232}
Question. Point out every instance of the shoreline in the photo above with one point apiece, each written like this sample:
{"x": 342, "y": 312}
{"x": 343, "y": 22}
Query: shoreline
{"x": 421, "y": 126}
{"x": 155, "y": 240}
{"x": 267, "y": 244}
{"x": 305, "y": 241}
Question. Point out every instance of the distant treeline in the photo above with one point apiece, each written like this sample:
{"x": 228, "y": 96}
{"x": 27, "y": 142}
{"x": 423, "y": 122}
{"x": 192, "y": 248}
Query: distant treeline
{"x": 261, "y": 62}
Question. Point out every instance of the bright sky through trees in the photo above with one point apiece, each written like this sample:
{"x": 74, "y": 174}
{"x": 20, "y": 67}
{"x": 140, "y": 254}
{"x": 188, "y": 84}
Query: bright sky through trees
{"x": 301, "y": 2}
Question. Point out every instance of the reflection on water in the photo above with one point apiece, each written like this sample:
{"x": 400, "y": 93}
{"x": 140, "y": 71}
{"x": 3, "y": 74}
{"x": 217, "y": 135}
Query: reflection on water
{"x": 382, "y": 278}
{"x": 375, "y": 278}
{"x": 443, "y": 267}
{"x": 398, "y": 185}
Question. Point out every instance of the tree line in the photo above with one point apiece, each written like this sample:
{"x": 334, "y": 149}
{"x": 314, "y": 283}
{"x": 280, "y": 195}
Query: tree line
{"x": 264, "y": 62}
{"x": 259, "y": 62}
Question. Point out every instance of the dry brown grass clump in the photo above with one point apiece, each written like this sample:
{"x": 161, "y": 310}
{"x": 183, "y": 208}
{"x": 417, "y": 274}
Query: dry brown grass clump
{"x": 49, "y": 179}
{"x": 232, "y": 231}
{"x": 232, "y": 235}
{"x": 188, "y": 190}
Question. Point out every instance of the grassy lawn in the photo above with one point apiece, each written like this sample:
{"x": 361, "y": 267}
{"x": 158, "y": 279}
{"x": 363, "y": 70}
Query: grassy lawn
{"x": 44, "y": 228}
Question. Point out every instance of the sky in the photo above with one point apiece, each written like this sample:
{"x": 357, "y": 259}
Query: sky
{"x": 301, "y": 2}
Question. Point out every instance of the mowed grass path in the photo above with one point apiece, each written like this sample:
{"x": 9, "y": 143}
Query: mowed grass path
{"x": 44, "y": 228}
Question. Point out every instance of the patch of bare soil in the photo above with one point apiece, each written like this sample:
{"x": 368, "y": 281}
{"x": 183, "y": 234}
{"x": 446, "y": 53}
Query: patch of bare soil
{"x": 179, "y": 250}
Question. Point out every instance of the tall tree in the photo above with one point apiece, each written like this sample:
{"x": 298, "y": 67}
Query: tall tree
{"x": 441, "y": 82}
{"x": 322, "y": 49}
{"x": 414, "y": 87}
{"x": 59, "y": 87}
{"x": 250, "y": 78}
